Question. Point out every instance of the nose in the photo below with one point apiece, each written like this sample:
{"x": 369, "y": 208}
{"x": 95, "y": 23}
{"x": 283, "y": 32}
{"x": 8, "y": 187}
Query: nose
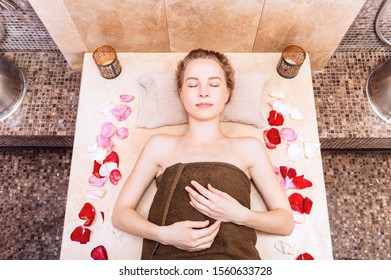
{"x": 203, "y": 92}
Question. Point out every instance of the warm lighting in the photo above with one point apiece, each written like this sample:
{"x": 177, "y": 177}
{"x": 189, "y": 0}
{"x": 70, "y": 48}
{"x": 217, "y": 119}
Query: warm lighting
{"x": 290, "y": 62}
{"x": 107, "y": 61}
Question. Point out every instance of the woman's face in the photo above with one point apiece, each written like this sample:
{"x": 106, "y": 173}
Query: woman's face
{"x": 204, "y": 91}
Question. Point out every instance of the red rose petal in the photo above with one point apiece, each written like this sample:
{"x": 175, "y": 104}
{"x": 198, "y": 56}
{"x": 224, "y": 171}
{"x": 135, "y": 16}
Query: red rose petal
{"x": 81, "y": 235}
{"x": 296, "y": 201}
{"x": 95, "y": 172}
{"x": 300, "y": 182}
{"x": 77, "y": 233}
{"x": 87, "y": 213}
{"x": 273, "y": 135}
{"x": 275, "y": 118}
{"x": 305, "y": 256}
{"x": 112, "y": 157}
{"x": 99, "y": 253}
{"x": 300, "y": 204}
{"x": 284, "y": 171}
{"x": 307, "y": 205}
{"x": 267, "y": 143}
{"x": 290, "y": 172}
{"x": 115, "y": 176}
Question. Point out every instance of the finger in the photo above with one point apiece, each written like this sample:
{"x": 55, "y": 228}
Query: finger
{"x": 200, "y": 198}
{"x": 214, "y": 190}
{"x": 199, "y": 206}
{"x": 207, "y": 241}
{"x": 207, "y": 231}
{"x": 197, "y": 224}
{"x": 201, "y": 189}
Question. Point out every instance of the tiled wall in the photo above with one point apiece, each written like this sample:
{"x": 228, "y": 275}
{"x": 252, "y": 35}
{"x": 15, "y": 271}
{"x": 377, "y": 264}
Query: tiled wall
{"x": 361, "y": 36}
{"x": 24, "y": 31}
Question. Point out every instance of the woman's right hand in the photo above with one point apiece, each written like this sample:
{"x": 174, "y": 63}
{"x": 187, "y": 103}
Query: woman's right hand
{"x": 190, "y": 235}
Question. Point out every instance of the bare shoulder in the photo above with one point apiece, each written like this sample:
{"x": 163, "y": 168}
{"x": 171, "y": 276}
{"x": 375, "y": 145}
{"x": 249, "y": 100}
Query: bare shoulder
{"x": 248, "y": 144}
{"x": 251, "y": 148}
{"x": 160, "y": 145}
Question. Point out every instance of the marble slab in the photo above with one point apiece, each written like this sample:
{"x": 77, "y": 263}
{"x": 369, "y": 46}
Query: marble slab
{"x": 312, "y": 236}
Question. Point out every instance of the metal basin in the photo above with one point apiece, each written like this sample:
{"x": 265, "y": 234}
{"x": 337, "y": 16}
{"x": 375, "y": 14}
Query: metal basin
{"x": 12, "y": 88}
{"x": 378, "y": 90}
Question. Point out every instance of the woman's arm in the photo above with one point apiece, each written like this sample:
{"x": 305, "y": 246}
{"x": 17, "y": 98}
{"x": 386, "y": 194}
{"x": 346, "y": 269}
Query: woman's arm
{"x": 221, "y": 206}
{"x": 279, "y": 218}
{"x": 187, "y": 235}
{"x": 124, "y": 215}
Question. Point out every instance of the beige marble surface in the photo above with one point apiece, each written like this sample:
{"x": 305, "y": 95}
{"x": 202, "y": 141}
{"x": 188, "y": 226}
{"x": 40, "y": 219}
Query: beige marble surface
{"x": 312, "y": 236}
{"x": 220, "y": 25}
{"x": 317, "y": 26}
{"x": 179, "y": 26}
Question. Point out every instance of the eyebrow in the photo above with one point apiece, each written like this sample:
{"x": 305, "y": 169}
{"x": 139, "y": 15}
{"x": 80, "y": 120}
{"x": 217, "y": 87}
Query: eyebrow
{"x": 210, "y": 78}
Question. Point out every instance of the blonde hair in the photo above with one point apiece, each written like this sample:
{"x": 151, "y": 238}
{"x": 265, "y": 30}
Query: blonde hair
{"x": 221, "y": 59}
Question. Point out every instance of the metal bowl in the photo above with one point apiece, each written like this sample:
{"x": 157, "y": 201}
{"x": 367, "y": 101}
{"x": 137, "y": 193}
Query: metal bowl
{"x": 378, "y": 89}
{"x": 12, "y": 88}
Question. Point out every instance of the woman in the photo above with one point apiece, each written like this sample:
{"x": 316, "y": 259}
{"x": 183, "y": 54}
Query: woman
{"x": 202, "y": 206}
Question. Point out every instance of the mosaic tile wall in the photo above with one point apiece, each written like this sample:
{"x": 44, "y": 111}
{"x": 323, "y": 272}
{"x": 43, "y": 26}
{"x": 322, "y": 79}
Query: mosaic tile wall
{"x": 359, "y": 203}
{"x": 24, "y": 31}
{"x": 50, "y": 105}
{"x": 343, "y": 110}
{"x": 361, "y": 36}
{"x": 33, "y": 192}
{"x": 33, "y": 188}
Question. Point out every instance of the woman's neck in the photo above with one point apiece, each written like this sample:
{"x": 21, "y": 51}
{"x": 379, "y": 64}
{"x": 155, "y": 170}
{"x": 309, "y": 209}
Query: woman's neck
{"x": 204, "y": 132}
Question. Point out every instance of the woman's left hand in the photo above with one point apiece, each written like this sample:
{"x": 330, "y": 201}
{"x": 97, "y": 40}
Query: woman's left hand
{"x": 215, "y": 204}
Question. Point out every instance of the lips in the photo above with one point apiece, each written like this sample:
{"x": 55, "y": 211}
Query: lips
{"x": 204, "y": 105}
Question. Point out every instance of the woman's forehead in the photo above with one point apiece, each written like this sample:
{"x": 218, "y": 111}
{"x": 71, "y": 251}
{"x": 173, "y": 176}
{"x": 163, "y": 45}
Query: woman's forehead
{"x": 203, "y": 67}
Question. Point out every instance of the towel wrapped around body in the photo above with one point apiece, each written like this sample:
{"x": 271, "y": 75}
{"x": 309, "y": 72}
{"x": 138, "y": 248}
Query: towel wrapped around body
{"x": 171, "y": 204}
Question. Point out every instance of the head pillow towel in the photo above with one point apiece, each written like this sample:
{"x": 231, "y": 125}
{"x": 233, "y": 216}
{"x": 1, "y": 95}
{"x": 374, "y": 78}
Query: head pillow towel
{"x": 160, "y": 104}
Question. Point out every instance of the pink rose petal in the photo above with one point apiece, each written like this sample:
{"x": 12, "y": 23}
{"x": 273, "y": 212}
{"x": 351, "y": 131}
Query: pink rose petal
{"x": 288, "y": 134}
{"x": 97, "y": 182}
{"x": 121, "y": 112}
{"x": 122, "y": 133}
{"x": 104, "y": 143}
{"x": 108, "y": 129}
{"x": 287, "y": 183}
{"x": 126, "y": 98}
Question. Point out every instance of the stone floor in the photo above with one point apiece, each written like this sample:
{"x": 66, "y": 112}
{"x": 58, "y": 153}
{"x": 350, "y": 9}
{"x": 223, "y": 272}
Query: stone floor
{"x": 34, "y": 182}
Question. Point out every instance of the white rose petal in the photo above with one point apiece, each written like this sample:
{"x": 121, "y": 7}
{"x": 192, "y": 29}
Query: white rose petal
{"x": 281, "y": 107}
{"x": 100, "y": 154}
{"x": 278, "y": 94}
{"x": 95, "y": 194}
{"x": 310, "y": 148}
{"x": 295, "y": 152}
{"x": 106, "y": 168}
{"x": 298, "y": 217}
{"x": 296, "y": 114}
{"x": 106, "y": 109}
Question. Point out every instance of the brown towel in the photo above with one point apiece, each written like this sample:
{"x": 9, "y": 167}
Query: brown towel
{"x": 171, "y": 204}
